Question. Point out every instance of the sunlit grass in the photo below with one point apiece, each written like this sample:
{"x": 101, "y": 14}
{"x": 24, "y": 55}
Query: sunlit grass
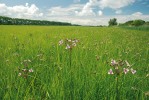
{"x": 87, "y": 78}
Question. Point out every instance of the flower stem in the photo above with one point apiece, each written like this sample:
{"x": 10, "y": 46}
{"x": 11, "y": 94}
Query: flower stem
{"x": 71, "y": 79}
{"x": 117, "y": 89}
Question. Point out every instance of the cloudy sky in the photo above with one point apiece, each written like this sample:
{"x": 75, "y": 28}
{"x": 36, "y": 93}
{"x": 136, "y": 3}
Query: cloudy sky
{"x": 83, "y": 12}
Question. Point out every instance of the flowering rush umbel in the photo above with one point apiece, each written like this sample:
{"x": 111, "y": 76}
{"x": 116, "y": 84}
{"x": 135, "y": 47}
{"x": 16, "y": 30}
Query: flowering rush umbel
{"x": 25, "y": 71}
{"x": 120, "y": 66}
{"x": 69, "y": 43}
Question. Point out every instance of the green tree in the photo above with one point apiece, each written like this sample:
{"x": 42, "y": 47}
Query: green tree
{"x": 138, "y": 22}
{"x": 113, "y": 22}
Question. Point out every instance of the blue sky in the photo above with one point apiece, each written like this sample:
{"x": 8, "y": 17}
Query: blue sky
{"x": 84, "y": 12}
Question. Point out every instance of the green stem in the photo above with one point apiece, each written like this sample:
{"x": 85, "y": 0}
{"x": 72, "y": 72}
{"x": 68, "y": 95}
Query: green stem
{"x": 71, "y": 81}
{"x": 117, "y": 89}
{"x": 70, "y": 58}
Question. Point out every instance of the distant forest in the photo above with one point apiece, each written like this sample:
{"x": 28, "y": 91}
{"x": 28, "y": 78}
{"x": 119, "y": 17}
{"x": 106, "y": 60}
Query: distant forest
{"x": 16, "y": 21}
{"x": 137, "y": 22}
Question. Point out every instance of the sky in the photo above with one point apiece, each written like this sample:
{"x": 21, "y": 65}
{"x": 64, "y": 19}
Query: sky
{"x": 82, "y": 12}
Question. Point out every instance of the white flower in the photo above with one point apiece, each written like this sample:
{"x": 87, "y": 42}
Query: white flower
{"x": 31, "y": 70}
{"x": 24, "y": 70}
{"x": 69, "y": 40}
{"x": 19, "y": 74}
{"x": 133, "y": 71}
{"x": 68, "y": 46}
{"x": 60, "y": 42}
{"x": 76, "y": 41}
{"x": 74, "y": 44}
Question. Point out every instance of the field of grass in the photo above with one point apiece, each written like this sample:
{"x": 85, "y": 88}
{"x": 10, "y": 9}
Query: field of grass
{"x": 33, "y": 66}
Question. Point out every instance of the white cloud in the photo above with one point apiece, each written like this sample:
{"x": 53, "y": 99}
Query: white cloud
{"x": 67, "y": 11}
{"x": 82, "y": 14}
{"x": 20, "y": 11}
{"x": 100, "y": 13}
{"x": 118, "y": 11}
{"x": 114, "y": 4}
{"x": 87, "y": 9}
{"x": 137, "y": 14}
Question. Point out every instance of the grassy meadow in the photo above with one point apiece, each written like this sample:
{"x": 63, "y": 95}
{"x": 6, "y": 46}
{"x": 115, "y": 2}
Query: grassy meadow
{"x": 33, "y": 66}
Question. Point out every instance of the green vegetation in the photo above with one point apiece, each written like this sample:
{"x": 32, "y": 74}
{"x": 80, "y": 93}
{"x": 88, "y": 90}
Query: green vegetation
{"x": 35, "y": 67}
{"x": 17, "y": 21}
{"x": 113, "y": 22}
{"x": 138, "y": 22}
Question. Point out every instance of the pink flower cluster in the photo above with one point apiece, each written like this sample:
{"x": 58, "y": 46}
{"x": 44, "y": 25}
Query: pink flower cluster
{"x": 118, "y": 67}
{"x": 70, "y": 43}
{"x": 25, "y": 71}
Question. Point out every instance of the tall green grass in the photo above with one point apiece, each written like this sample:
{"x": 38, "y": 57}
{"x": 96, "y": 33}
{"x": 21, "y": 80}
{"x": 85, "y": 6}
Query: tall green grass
{"x": 87, "y": 78}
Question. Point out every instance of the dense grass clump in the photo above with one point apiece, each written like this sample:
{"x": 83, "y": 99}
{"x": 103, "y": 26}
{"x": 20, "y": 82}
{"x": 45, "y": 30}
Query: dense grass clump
{"x": 37, "y": 63}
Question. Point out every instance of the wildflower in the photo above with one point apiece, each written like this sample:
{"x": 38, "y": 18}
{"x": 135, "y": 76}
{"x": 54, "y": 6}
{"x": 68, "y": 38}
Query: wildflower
{"x": 133, "y": 71}
{"x": 31, "y": 70}
{"x": 126, "y": 70}
{"x": 75, "y": 40}
{"x": 24, "y": 70}
{"x": 19, "y": 74}
{"x": 60, "y": 42}
{"x": 69, "y": 40}
{"x": 113, "y": 62}
{"x": 68, "y": 46}
{"x": 74, "y": 44}
{"x": 110, "y": 71}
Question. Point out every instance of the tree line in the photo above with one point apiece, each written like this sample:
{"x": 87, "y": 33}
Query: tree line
{"x": 16, "y": 21}
{"x": 137, "y": 22}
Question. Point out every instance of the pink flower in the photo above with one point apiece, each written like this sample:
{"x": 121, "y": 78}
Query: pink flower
{"x": 68, "y": 46}
{"x": 113, "y": 62}
{"x": 133, "y": 71}
{"x": 110, "y": 71}
{"x": 31, "y": 70}
{"x": 126, "y": 70}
